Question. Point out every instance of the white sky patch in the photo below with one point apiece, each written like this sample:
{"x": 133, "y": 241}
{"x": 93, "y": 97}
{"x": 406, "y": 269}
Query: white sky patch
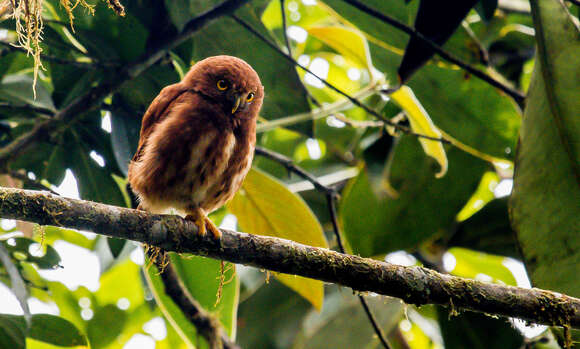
{"x": 3, "y": 34}
{"x": 123, "y": 303}
{"x": 229, "y": 222}
{"x": 400, "y": 258}
{"x": 156, "y": 328}
{"x": 98, "y": 158}
{"x": 292, "y": 6}
{"x": 405, "y": 325}
{"x": 140, "y": 341}
{"x": 31, "y": 175}
{"x": 39, "y": 307}
{"x": 449, "y": 262}
{"x": 106, "y": 122}
{"x": 297, "y": 33}
{"x": 10, "y": 304}
{"x": 353, "y": 74}
{"x": 69, "y": 186}
{"x": 332, "y": 121}
{"x": 295, "y": 16}
{"x": 504, "y": 188}
{"x": 80, "y": 267}
{"x": 303, "y": 60}
{"x": 8, "y": 224}
{"x": 87, "y": 314}
{"x": 519, "y": 272}
{"x": 483, "y": 277}
{"x": 320, "y": 67}
{"x": 313, "y": 147}
{"x": 309, "y": 2}
{"x": 137, "y": 256}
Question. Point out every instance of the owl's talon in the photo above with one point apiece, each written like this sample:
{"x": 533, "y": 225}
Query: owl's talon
{"x": 217, "y": 234}
{"x": 199, "y": 221}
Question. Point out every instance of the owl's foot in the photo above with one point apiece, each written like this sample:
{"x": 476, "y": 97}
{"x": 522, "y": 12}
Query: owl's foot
{"x": 203, "y": 223}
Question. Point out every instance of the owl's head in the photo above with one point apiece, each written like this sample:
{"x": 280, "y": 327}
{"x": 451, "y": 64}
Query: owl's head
{"x": 229, "y": 82}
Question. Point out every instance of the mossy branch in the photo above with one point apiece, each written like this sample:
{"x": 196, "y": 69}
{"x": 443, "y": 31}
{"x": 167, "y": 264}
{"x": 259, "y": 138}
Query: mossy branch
{"x": 414, "y": 285}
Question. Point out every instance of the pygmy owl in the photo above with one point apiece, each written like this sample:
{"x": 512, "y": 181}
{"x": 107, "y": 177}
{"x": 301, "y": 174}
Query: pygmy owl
{"x": 197, "y": 140}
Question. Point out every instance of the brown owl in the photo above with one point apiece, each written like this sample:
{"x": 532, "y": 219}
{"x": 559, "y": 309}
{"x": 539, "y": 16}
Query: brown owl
{"x": 197, "y": 140}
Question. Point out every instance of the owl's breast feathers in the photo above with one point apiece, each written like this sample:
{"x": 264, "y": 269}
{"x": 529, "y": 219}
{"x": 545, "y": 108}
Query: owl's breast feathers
{"x": 188, "y": 155}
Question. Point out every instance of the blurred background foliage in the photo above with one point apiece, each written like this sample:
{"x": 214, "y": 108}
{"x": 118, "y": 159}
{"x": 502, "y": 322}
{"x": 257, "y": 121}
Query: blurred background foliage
{"x": 403, "y": 199}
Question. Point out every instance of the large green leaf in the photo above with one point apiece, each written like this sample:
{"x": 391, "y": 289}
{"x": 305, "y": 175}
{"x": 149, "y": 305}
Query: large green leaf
{"x": 201, "y": 277}
{"x": 43, "y": 327}
{"x": 545, "y": 204}
{"x": 421, "y": 207}
{"x": 265, "y": 206}
{"x": 342, "y": 315}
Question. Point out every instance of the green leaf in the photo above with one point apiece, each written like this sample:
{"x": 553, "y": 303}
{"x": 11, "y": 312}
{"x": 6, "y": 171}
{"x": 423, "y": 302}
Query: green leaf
{"x": 45, "y": 256}
{"x": 125, "y": 129}
{"x": 544, "y": 205}
{"x": 468, "y": 109}
{"x": 402, "y": 216}
{"x": 477, "y": 331}
{"x": 265, "y": 206}
{"x": 44, "y": 327}
{"x": 201, "y": 278}
{"x": 421, "y": 123}
{"x": 18, "y": 89}
{"x": 123, "y": 280}
{"x": 483, "y": 194}
{"x": 107, "y": 323}
{"x": 333, "y": 327}
{"x": 12, "y": 331}
{"x": 481, "y": 266}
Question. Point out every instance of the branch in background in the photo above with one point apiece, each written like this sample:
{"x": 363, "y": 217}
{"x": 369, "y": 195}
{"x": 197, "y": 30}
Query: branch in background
{"x": 415, "y": 285}
{"x": 206, "y": 324}
{"x": 518, "y": 96}
{"x": 57, "y": 60}
{"x": 353, "y": 100}
{"x": 27, "y": 108}
{"x": 94, "y": 96}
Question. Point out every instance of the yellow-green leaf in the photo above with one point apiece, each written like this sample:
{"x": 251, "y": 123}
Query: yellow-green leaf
{"x": 264, "y": 206}
{"x": 347, "y": 41}
{"x": 421, "y": 123}
{"x": 482, "y": 195}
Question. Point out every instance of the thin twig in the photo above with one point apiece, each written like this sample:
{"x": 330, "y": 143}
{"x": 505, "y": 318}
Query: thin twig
{"x": 331, "y": 194}
{"x": 518, "y": 96}
{"x": 353, "y": 100}
{"x": 333, "y": 217}
{"x": 290, "y": 166}
{"x": 414, "y": 285}
{"x": 289, "y": 48}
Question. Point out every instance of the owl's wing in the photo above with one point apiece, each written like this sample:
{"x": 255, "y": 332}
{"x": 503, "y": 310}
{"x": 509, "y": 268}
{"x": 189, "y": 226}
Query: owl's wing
{"x": 157, "y": 112}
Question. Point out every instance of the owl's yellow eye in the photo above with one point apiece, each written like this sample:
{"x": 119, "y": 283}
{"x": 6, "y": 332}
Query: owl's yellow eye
{"x": 250, "y": 97}
{"x": 222, "y": 85}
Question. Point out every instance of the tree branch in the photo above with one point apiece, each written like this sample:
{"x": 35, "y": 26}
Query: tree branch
{"x": 415, "y": 285}
{"x": 94, "y": 96}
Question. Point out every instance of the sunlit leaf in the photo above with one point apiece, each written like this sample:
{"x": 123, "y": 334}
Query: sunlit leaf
{"x": 17, "y": 89}
{"x": 346, "y": 41}
{"x": 544, "y": 206}
{"x": 264, "y": 206}
{"x": 481, "y": 266}
{"x": 421, "y": 123}
{"x": 483, "y": 194}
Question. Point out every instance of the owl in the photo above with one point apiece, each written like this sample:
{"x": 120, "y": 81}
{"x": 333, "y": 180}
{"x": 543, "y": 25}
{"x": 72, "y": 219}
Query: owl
{"x": 197, "y": 140}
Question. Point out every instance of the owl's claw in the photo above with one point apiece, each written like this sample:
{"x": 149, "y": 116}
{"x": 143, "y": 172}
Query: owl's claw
{"x": 203, "y": 223}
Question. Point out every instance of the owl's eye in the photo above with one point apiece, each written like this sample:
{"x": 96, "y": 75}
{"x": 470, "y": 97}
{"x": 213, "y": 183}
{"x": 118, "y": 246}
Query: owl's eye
{"x": 250, "y": 97}
{"x": 222, "y": 85}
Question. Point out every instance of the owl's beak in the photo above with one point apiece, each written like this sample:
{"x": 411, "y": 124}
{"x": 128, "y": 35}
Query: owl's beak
{"x": 236, "y": 103}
